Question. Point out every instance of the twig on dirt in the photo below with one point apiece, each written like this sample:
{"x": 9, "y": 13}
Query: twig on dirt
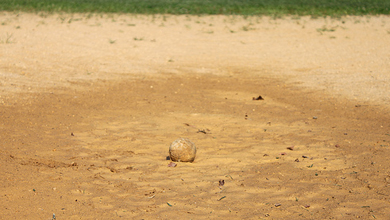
{"x": 7, "y": 40}
{"x": 221, "y": 198}
{"x": 204, "y": 131}
{"x": 188, "y": 124}
{"x": 229, "y": 176}
{"x": 358, "y": 105}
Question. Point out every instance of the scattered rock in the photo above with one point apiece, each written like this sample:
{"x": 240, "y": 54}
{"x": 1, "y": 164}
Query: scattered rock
{"x": 172, "y": 164}
{"x": 290, "y": 148}
{"x": 258, "y": 98}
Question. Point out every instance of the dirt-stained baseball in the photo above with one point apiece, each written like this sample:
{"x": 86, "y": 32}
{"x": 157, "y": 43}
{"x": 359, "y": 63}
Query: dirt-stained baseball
{"x": 182, "y": 150}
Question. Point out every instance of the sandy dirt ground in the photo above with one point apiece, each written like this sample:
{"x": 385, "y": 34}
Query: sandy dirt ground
{"x": 89, "y": 105}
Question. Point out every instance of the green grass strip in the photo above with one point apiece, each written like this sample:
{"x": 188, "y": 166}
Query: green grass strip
{"x": 209, "y": 7}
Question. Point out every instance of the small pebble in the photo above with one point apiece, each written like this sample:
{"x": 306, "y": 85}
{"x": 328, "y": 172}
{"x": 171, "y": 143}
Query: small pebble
{"x": 172, "y": 164}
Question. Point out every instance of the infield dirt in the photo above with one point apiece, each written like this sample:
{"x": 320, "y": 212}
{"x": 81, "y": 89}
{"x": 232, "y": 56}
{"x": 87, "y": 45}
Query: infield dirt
{"x": 291, "y": 113}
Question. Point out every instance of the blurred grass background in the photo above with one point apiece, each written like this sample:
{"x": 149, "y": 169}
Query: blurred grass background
{"x": 208, "y": 7}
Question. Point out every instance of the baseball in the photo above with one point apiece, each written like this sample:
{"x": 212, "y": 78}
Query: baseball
{"x": 182, "y": 150}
